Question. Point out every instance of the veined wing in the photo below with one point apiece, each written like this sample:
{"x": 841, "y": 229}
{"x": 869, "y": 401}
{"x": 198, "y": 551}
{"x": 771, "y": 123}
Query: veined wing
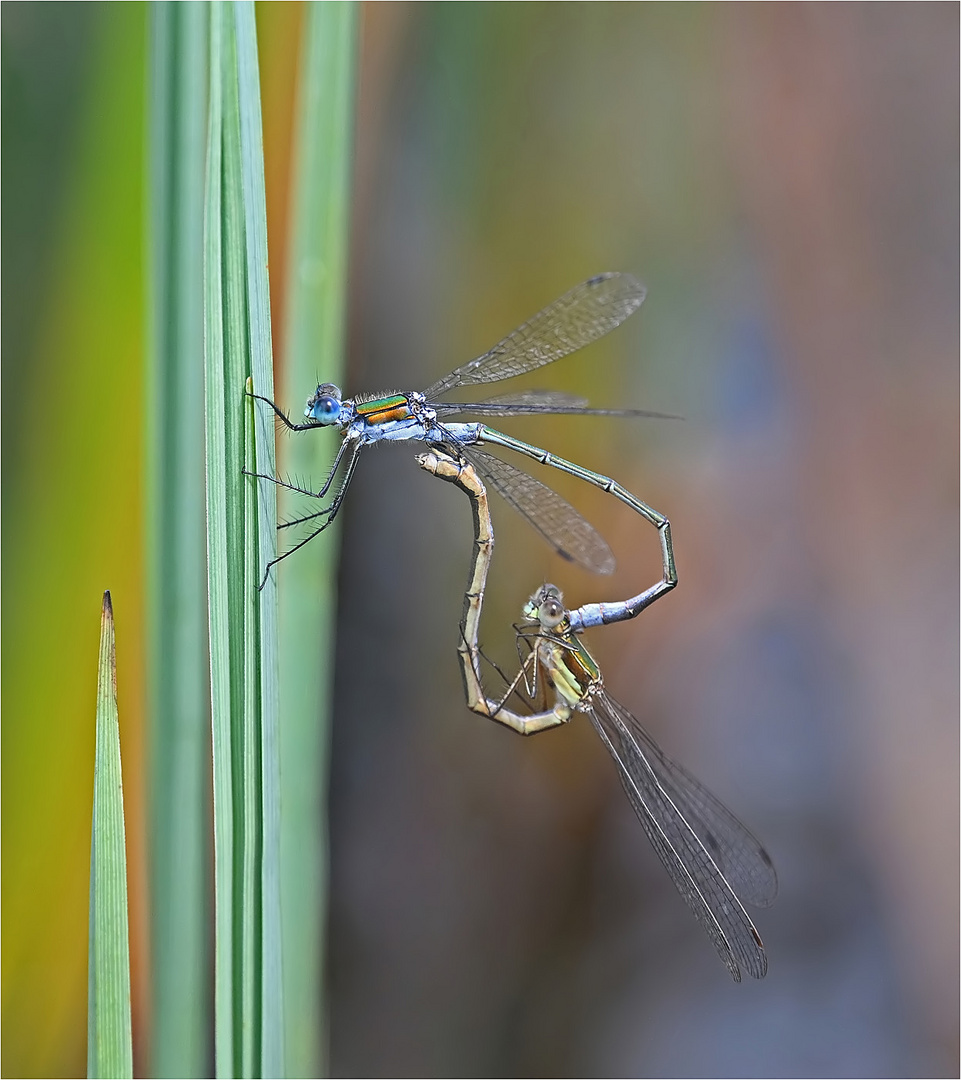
{"x": 570, "y": 534}
{"x": 691, "y": 865}
{"x": 588, "y": 312}
{"x": 538, "y": 402}
{"x": 738, "y": 853}
{"x": 523, "y": 399}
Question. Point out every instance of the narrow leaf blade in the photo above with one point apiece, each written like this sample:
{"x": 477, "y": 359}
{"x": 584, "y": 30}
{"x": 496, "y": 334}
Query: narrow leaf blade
{"x": 241, "y": 541}
{"x": 109, "y": 1042}
{"x": 263, "y": 679}
{"x": 178, "y": 671}
{"x": 315, "y": 327}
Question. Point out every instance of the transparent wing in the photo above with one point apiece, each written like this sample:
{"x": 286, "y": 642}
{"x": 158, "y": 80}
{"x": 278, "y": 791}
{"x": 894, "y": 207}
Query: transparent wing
{"x": 523, "y": 399}
{"x": 538, "y": 402}
{"x": 571, "y": 535}
{"x": 738, "y": 853}
{"x": 689, "y": 862}
{"x": 588, "y": 312}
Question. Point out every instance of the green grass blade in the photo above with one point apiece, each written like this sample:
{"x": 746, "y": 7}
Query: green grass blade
{"x": 221, "y": 682}
{"x": 73, "y": 139}
{"x": 177, "y": 606}
{"x": 241, "y": 525}
{"x": 224, "y": 365}
{"x": 315, "y": 337}
{"x": 109, "y": 1043}
{"x": 264, "y": 510}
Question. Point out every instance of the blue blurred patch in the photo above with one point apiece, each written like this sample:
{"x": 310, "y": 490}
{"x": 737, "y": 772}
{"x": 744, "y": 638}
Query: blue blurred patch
{"x": 750, "y": 388}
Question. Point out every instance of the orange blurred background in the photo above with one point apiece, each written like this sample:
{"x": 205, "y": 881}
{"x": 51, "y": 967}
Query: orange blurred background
{"x": 784, "y": 178}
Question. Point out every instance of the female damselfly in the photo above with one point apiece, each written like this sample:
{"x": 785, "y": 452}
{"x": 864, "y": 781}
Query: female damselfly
{"x": 715, "y": 862}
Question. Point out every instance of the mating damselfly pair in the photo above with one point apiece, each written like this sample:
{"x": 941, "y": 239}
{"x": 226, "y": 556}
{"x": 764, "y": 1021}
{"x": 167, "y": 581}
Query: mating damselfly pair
{"x": 713, "y": 860}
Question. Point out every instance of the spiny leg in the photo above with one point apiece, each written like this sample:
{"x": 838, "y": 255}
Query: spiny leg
{"x": 282, "y": 416}
{"x": 338, "y": 498}
{"x": 479, "y": 702}
{"x": 530, "y": 639}
{"x": 307, "y": 517}
{"x": 297, "y": 489}
{"x": 511, "y": 685}
{"x": 530, "y": 684}
{"x": 494, "y": 664}
{"x": 287, "y": 485}
{"x": 332, "y": 472}
{"x": 474, "y": 656}
{"x": 330, "y": 512}
{"x": 290, "y": 551}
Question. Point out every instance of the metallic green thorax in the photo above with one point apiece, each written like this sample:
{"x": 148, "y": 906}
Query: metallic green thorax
{"x": 382, "y": 410}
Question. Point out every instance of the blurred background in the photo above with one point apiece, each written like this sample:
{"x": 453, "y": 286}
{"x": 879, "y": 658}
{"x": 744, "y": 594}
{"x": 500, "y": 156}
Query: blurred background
{"x": 784, "y": 178}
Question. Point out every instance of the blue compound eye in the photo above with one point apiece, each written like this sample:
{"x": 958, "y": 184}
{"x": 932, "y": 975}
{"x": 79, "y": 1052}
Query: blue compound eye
{"x": 323, "y": 408}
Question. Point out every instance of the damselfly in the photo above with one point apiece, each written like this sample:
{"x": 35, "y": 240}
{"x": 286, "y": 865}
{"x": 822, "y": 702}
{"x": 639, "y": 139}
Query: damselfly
{"x": 715, "y": 862}
{"x": 581, "y": 316}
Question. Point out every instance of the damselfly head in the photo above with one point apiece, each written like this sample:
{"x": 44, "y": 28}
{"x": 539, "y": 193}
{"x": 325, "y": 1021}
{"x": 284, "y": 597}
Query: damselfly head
{"x": 323, "y": 405}
{"x": 546, "y": 606}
